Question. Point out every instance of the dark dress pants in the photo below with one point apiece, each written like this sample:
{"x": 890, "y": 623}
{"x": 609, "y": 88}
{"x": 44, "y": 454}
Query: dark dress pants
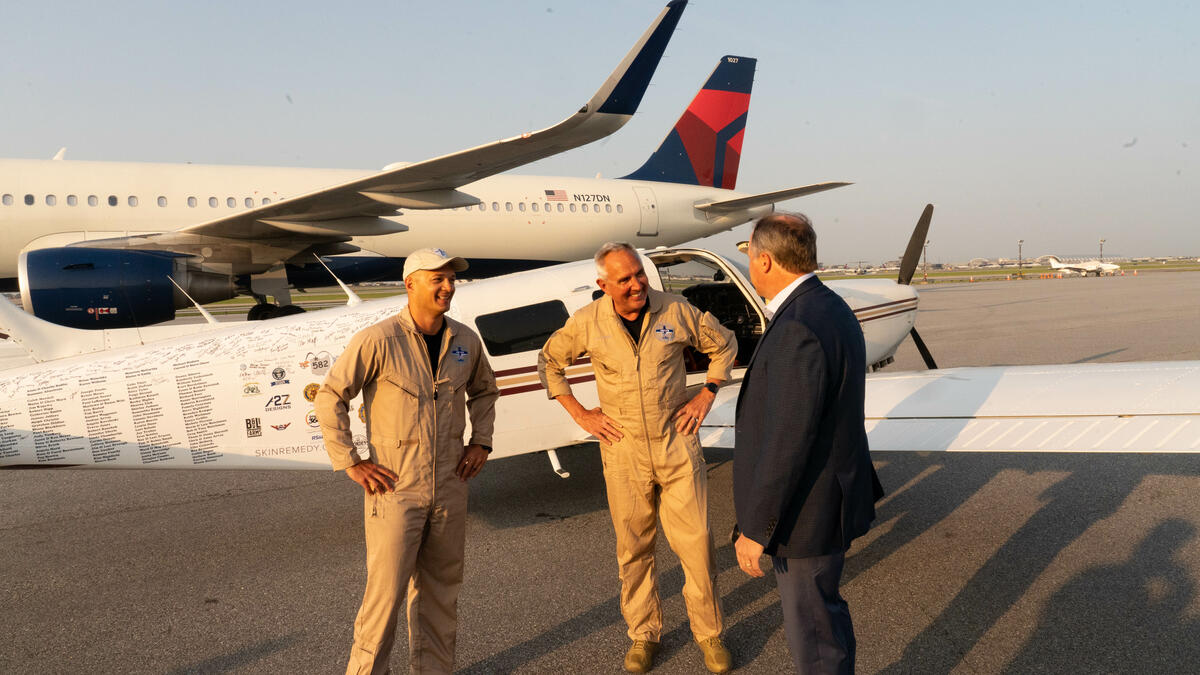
{"x": 815, "y": 617}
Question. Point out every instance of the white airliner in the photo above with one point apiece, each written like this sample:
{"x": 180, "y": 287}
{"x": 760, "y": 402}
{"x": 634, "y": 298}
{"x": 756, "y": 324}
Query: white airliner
{"x": 102, "y": 245}
{"x": 1083, "y": 268}
{"x": 240, "y": 395}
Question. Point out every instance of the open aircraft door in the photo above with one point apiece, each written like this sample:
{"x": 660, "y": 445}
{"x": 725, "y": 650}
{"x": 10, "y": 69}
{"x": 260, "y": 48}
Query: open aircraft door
{"x": 713, "y": 284}
{"x": 649, "y": 212}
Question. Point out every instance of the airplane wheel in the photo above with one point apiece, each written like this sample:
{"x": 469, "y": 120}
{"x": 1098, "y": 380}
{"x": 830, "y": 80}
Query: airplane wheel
{"x": 262, "y": 312}
{"x": 287, "y": 310}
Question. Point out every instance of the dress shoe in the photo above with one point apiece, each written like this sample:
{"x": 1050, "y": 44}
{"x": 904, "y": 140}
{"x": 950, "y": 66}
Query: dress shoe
{"x": 640, "y": 657}
{"x": 716, "y": 657}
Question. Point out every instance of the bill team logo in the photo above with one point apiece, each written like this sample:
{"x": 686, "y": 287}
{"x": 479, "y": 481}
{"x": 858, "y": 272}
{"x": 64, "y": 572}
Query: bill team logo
{"x": 279, "y": 375}
{"x": 310, "y": 391}
{"x": 253, "y": 427}
{"x": 251, "y": 389}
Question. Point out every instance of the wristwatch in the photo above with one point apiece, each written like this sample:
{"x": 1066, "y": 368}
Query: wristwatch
{"x": 711, "y": 386}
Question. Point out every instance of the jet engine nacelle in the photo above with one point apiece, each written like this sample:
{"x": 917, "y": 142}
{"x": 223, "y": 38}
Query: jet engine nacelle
{"x": 99, "y": 288}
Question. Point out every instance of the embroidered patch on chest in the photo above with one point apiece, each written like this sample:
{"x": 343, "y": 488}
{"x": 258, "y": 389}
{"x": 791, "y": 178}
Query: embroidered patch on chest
{"x": 459, "y": 353}
{"x": 664, "y": 332}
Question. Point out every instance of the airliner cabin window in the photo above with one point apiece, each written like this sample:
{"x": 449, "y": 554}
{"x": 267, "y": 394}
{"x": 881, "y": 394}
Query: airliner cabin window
{"x": 7, "y": 199}
{"x": 620, "y": 209}
{"x": 608, "y": 208}
{"x": 266, "y": 200}
{"x": 508, "y": 206}
{"x": 132, "y": 200}
{"x": 192, "y": 202}
{"x": 28, "y": 200}
{"x": 534, "y": 207}
{"x": 572, "y": 207}
{"x": 51, "y": 200}
{"x": 112, "y": 200}
{"x": 495, "y": 206}
{"x": 560, "y": 208}
{"x": 521, "y": 329}
{"x": 249, "y": 202}
{"x": 521, "y": 207}
{"x": 72, "y": 200}
{"x": 162, "y": 201}
{"x": 230, "y": 202}
{"x": 93, "y": 200}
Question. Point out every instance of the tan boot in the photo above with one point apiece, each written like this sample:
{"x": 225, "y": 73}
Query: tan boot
{"x": 716, "y": 657}
{"x": 640, "y": 657}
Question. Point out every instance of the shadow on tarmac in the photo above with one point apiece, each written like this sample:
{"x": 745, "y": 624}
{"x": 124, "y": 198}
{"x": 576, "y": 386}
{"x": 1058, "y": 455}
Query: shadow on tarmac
{"x": 246, "y": 656}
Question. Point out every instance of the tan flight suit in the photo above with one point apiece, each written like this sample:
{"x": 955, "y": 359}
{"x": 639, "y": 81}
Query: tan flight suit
{"x": 415, "y": 534}
{"x": 653, "y": 470}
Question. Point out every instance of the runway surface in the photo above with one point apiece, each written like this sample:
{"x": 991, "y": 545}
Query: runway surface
{"x": 982, "y": 563}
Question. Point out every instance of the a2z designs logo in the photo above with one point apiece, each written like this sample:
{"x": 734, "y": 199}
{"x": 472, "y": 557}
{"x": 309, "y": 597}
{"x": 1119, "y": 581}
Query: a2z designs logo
{"x": 278, "y": 402}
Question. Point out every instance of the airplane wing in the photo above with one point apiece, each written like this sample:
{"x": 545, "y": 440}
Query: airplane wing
{"x": 1119, "y": 407}
{"x": 742, "y": 203}
{"x": 337, "y": 213}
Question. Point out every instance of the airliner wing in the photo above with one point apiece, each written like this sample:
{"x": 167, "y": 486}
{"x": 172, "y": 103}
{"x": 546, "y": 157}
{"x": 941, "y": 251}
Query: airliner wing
{"x": 1119, "y": 407}
{"x": 742, "y": 203}
{"x": 339, "y": 212}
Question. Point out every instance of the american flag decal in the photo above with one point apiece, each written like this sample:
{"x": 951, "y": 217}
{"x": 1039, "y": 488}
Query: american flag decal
{"x": 556, "y": 195}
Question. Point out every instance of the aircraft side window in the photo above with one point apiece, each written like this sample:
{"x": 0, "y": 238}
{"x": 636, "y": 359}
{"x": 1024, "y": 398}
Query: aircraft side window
{"x": 266, "y": 200}
{"x": 162, "y": 201}
{"x": 620, "y": 209}
{"x": 112, "y": 200}
{"x": 7, "y": 199}
{"x": 192, "y": 202}
{"x": 495, "y": 206}
{"x": 560, "y": 208}
{"x": 521, "y": 207}
{"x": 508, "y": 206}
{"x": 132, "y": 200}
{"x": 72, "y": 200}
{"x": 93, "y": 200}
{"x": 28, "y": 200}
{"x": 608, "y": 208}
{"x": 249, "y": 202}
{"x": 230, "y": 202}
{"x": 572, "y": 207}
{"x": 521, "y": 329}
{"x": 212, "y": 202}
{"x": 534, "y": 207}
{"x": 51, "y": 200}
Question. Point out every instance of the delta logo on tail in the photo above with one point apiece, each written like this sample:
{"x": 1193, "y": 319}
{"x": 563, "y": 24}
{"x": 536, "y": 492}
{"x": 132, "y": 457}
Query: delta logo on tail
{"x": 705, "y": 146}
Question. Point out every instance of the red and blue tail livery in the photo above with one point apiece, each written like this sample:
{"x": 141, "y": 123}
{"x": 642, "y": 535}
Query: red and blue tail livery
{"x": 705, "y": 146}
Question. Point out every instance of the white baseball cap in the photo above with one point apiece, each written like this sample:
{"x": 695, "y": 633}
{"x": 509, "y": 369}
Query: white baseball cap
{"x": 431, "y": 259}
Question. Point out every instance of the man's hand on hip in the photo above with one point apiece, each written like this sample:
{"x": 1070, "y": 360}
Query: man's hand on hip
{"x": 373, "y": 478}
{"x": 748, "y": 553}
{"x": 474, "y": 456}
{"x": 689, "y": 418}
{"x": 596, "y": 423}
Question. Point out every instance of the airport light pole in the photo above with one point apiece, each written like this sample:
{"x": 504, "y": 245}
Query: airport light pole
{"x": 1020, "y": 259}
{"x": 1101, "y": 250}
{"x": 925, "y": 258}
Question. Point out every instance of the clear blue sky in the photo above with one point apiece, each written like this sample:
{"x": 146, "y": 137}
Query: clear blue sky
{"x": 1058, "y": 123}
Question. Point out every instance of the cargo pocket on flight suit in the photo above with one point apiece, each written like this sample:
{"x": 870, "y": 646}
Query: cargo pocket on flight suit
{"x": 395, "y": 412}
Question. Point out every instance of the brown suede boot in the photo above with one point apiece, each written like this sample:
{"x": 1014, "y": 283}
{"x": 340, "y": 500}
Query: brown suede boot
{"x": 716, "y": 657}
{"x": 640, "y": 657}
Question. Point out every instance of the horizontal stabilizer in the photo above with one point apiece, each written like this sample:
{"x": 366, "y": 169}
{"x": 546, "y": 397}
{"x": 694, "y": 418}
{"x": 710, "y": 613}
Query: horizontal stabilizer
{"x": 741, "y": 203}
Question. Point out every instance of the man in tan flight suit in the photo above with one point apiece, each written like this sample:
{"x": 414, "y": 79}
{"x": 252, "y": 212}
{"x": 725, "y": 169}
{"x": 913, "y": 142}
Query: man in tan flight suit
{"x": 419, "y": 372}
{"x": 646, "y": 425}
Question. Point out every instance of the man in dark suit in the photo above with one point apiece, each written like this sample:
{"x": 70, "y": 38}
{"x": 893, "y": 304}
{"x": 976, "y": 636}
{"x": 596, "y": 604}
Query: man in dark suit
{"x": 804, "y": 486}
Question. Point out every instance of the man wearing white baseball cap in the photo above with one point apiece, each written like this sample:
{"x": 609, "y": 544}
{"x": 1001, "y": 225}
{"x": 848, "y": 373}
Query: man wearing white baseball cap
{"x": 420, "y": 373}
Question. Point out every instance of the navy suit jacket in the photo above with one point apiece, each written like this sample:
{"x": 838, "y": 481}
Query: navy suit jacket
{"x": 803, "y": 482}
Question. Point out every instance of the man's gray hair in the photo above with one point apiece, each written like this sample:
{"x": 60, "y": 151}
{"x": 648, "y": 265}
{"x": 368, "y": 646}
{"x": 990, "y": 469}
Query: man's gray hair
{"x": 610, "y": 247}
{"x": 789, "y": 238}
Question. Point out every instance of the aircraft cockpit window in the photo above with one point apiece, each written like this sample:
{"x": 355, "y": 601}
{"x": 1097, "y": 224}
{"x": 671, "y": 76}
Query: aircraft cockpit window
{"x": 132, "y": 200}
{"x": 112, "y": 200}
{"x": 192, "y": 202}
{"x": 162, "y": 201}
{"x": 29, "y": 200}
{"x": 212, "y": 202}
{"x": 72, "y": 200}
{"x": 7, "y": 199}
{"x": 521, "y": 329}
{"x": 93, "y": 200}
{"x": 710, "y": 289}
{"x": 51, "y": 200}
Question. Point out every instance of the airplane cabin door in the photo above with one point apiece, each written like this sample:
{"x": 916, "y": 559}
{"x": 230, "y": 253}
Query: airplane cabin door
{"x": 649, "y": 212}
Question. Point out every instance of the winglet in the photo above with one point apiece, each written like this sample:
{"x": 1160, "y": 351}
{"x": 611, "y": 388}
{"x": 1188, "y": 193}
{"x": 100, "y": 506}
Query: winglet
{"x": 62, "y": 152}
{"x": 45, "y": 341}
{"x": 623, "y": 90}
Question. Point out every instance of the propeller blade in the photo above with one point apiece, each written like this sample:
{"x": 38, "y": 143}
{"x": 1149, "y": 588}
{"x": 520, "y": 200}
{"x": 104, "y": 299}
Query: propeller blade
{"x": 929, "y": 363}
{"x": 912, "y": 254}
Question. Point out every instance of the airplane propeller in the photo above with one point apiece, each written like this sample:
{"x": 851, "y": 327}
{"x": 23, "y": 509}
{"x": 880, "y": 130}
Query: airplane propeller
{"x": 908, "y": 265}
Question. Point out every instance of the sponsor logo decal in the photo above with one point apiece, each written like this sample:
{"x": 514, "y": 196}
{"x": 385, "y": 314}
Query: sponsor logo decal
{"x": 440, "y": 252}
{"x": 318, "y": 363}
{"x": 280, "y": 377}
{"x": 360, "y": 444}
{"x": 362, "y": 414}
{"x": 311, "y": 419}
{"x": 310, "y": 392}
{"x": 281, "y": 427}
{"x": 664, "y": 333}
{"x": 251, "y": 389}
{"x": 460, "y": 354}
{"x": 101, "y": 310}
{"x": 278, "y": 402}
{"x": 253, "y": 427}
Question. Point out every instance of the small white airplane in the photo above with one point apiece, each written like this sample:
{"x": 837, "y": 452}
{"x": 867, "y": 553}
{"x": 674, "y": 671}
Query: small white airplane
{"x": 240, "y": 395}
{"x": 104, "y": 244}
{"x": 1083, "y": 268}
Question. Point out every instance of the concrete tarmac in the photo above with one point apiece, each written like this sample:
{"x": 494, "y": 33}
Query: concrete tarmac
{"x": 984, "y": 563}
